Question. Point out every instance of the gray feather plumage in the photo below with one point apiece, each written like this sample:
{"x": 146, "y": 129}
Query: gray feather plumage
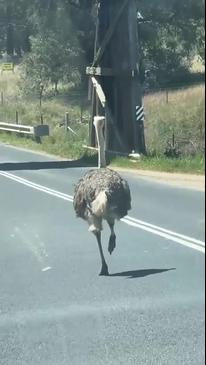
{"x": 97, "y": 181}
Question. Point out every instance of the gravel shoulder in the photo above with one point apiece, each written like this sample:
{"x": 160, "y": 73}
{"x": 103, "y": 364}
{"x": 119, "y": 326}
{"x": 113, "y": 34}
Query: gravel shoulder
{"x": 187, "y": 181}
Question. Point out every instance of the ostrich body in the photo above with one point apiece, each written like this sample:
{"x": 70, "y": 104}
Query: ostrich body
{"x": 102, "y": 194}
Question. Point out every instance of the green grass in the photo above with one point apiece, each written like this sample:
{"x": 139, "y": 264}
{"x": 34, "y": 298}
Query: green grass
{"x": 59, "y": 144}
{"x": 183, "y": 116}
{"x": 194, "y": 165}
{"x": 71, "y": 149}
{"x": 53, "y": 110}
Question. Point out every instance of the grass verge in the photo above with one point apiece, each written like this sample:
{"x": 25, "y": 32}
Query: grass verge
{"x": 179, "y": 114}
{"x": 66, "y": 148}
{"x": 187, "y": 165}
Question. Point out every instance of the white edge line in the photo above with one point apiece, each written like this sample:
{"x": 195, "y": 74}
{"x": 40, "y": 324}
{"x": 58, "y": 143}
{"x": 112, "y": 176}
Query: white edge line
{"x": 166, "y": 231}
{"x": 37, "y": 187}
{"x": 176, "y": 237}
{"x": 165, "y": 235}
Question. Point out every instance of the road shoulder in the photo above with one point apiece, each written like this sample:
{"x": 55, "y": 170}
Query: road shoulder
{"x": 184, "y": 181}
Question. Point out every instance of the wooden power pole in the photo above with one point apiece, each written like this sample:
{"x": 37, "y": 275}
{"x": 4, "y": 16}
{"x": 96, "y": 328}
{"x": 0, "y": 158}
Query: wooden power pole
{"x": 116, "y": 72}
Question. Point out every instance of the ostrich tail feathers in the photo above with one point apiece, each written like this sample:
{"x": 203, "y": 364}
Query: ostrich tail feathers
{"x": 99, "y": 205}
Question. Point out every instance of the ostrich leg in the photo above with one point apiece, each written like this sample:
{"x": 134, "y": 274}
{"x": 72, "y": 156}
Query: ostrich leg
{"x": 104, "y": 270}
{"x": 112, "y": 239}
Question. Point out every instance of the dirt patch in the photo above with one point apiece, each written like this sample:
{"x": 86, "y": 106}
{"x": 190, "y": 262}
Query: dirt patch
{"x": 188, "y": 181}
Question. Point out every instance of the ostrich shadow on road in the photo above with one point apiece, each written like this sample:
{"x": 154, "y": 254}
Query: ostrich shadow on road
{"x": 135, "y": 274}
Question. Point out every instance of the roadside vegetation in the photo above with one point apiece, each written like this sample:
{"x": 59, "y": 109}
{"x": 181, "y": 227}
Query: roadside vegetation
{"x": 178, "y": 115}
{"x": 52, "y": 42}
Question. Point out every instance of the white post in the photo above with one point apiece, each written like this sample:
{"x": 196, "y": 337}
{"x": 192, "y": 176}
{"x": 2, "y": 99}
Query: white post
{"x": 99, "y": 123}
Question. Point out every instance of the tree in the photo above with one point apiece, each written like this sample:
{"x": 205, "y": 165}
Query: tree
{"x": 14, "y": 26}
{"x": 173, "y": 31}
{"x": 50, "y": 61}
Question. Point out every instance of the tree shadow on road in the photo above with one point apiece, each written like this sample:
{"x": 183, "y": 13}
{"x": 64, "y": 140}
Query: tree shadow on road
{"x": 47, "y": 165}
{"x": 134, "y": 274}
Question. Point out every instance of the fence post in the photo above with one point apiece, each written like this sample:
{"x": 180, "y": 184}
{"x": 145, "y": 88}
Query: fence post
{"x": 167, "y": 96}
{"x": 81, "y": 110}
{"x": 66, "y": 121}
{"x": 17, "y": 117}
{"x": 173, "y": 139}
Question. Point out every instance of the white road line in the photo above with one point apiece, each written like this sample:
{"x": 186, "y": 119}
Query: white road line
{"x": 166, "y": 231}
{"x": 37, "y": 186}
{"x": 165, "y": 235}
{"x": 156, "y": 230}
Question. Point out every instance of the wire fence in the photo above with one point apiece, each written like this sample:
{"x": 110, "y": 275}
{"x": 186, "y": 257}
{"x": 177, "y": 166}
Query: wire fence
{"x": 174, "y": 117}
{"x": 51, "y": 109}
{"x": 167, "y": 93}
{"x": 174, "y": 120}
{"x": 164, "y": 95}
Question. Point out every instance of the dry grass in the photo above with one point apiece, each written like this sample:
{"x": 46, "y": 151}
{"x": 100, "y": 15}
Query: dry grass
{"x": 183, "y": 115}
{"x": 9, "y": 83}
{"x": 197, "y": 65}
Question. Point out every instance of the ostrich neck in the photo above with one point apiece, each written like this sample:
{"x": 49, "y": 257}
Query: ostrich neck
{"x": 101, "y": 147}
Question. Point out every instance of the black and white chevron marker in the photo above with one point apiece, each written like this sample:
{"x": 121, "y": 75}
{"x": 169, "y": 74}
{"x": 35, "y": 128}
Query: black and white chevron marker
{"x": 139, "y": 113}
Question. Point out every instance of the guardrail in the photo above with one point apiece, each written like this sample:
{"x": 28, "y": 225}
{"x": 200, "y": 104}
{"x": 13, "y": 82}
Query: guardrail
{"x": 36, "y": 132}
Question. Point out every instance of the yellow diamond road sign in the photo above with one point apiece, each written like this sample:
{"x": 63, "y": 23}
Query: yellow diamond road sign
{"x": 7, "y": 67}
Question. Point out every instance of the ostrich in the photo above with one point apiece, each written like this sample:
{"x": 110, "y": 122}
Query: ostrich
{"x": 102, "y": 194}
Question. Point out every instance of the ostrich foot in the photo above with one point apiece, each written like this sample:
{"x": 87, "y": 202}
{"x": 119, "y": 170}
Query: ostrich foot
{"x": 104, "y": 271}
{"x": 112, "y": 243}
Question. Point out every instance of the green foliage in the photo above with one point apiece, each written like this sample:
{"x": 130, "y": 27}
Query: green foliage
{"x": 194, "y": 165}
{"x": 50, "y": 62}
{"x": 14, "y": 26}
{"x": 183, "y": 116}
{"x": 67, "y": 146}
{"x": 172, "y": 36}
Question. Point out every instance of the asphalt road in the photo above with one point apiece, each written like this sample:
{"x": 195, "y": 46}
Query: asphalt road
{"x": 56, "y": 310}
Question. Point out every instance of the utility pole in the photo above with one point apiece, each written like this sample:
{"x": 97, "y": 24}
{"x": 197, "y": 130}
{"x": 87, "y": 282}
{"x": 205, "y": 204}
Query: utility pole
{"x": 117, "y": 60}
